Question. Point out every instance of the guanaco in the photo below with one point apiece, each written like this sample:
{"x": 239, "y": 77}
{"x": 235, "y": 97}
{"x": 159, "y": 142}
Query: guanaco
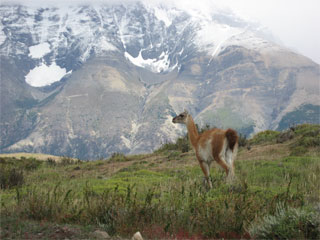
{"x": 214, "y": 144}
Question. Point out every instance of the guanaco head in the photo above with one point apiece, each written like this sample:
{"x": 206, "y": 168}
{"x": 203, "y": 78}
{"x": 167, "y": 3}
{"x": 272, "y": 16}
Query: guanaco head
{"x": 181, "y": 118}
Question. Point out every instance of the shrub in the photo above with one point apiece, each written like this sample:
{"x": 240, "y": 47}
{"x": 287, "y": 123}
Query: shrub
{"x": 307, "y": 130}
{"x": 264, "y": 137}
{"x": 118, "y": 157}
{"x": 308, "y": 136}
{"x": 242, "y": 140}
{"x": 285, "y": 136}
{"x": 10, "y": 177}
{"x": 288, "y": 223}
{"x": 182, "y": 145}
{"x": 29, "y": 164}
{"x": 68, "y": 161}
{"x": 51, "y": 162}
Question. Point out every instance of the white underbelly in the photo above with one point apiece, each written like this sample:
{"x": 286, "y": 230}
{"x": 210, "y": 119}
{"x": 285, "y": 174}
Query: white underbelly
{"x": 205, "y": 152}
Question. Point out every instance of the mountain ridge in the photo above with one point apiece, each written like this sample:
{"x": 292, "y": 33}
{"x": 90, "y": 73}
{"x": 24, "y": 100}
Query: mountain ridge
{"x": 119, "y": 74}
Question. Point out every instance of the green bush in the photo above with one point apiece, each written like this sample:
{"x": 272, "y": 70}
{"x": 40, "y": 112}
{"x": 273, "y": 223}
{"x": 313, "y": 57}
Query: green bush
{"x": 10, "y": 177}
{"x": 242, "y": 140}
{"x": 67, "y": 161}
{"x": 118, "y": 157}
{"x": 308, "y": 136}
{"x": 310, "y": 130}
{"x": 51, "y": 162}
{"x": 288, "y": 223}
{"x": 265, "y": 137}
{"x": 182, "y": 145}
{"x": 29, "y": 164}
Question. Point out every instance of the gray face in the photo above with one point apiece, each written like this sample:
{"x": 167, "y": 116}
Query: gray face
{"x": 181, "y": 118}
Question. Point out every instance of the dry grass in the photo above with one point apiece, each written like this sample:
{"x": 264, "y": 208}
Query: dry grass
{"x": 260, "y": 152}
{"x": 37, "y": 156}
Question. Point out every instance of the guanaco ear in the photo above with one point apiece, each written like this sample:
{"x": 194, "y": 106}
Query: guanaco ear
{"x": 186, "y": 111}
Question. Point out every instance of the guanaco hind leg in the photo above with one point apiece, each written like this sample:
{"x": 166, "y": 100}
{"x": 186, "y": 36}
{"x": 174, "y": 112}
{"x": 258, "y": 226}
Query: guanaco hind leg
{"x": 229, "y": 156}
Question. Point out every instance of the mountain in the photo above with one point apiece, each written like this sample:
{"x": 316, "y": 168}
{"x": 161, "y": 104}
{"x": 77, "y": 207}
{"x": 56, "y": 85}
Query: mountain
{"x": 88, "y": 81}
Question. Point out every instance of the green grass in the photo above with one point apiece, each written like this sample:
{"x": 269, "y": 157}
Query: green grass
{"x": 123, "y": 194}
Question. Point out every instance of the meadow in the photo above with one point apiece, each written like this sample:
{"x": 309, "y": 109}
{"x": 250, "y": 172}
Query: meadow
{"x": 275, "y": 194}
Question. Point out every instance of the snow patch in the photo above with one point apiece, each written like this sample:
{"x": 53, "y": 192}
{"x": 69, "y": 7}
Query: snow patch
{"x": 105, "y": 45}
{"x": 126, "y": 142}
{"x": 162, "y": 15}
{"x": 40, "y": 50}
{"x": 154, "y": 65}
{"x": 44, "y": 75}
{"x": 212, "y": 36}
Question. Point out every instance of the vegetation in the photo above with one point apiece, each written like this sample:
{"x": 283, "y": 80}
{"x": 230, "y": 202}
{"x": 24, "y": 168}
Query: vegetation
{"x": 162, "y": 195}
{"x": 267, "y": 136}
{"x": 288, "y": 223}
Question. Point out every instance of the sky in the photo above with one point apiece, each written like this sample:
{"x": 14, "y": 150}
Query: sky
{"x": 296, "y": 23}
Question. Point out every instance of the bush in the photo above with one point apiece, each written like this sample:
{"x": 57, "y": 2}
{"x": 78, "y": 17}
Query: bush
{"x": 182, "y": 145}
{"x": 310, "y": 130}
{"x": 242, "y": 140}
{"x": 118, "y": 157}
{"x": 308, "y": 136}
{"x": 10, "y": 177}
{"x": 51, "y": 162}
{"x": 264, "y": 137}
{"x": 285, "y": 136}
{"x": 29, "y": 164}
{"x": 287, "y": 223}
{"x": 68, "y": 161}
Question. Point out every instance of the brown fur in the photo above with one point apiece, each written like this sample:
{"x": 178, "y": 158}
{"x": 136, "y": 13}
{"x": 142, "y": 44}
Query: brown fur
{"x": 232, "y": 137}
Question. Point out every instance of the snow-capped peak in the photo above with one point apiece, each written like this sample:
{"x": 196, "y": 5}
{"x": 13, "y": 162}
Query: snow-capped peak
{"x": 150, "y": 36}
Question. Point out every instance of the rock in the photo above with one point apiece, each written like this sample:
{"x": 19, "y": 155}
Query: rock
{"x": 137, "y": 236}
{"x": 101, "y": 234}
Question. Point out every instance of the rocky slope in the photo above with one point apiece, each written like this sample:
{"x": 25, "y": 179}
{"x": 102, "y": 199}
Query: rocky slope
{"x": 87, "y": 81}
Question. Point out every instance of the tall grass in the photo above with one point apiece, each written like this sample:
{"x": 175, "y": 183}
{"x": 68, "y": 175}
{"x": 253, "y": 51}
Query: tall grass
{"x": 173, "y": 203}
{"x": 181, "y": 208}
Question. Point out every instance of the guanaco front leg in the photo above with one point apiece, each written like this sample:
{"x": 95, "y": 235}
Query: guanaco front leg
{"x": 205, "y": 169}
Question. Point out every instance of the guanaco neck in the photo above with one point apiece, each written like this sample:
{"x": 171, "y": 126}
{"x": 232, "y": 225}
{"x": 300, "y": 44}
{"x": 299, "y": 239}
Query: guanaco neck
{"x": 192, "y": 132}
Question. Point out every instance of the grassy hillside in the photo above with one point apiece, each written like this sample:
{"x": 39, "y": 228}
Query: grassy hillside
{"x": 162, "y": 195}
